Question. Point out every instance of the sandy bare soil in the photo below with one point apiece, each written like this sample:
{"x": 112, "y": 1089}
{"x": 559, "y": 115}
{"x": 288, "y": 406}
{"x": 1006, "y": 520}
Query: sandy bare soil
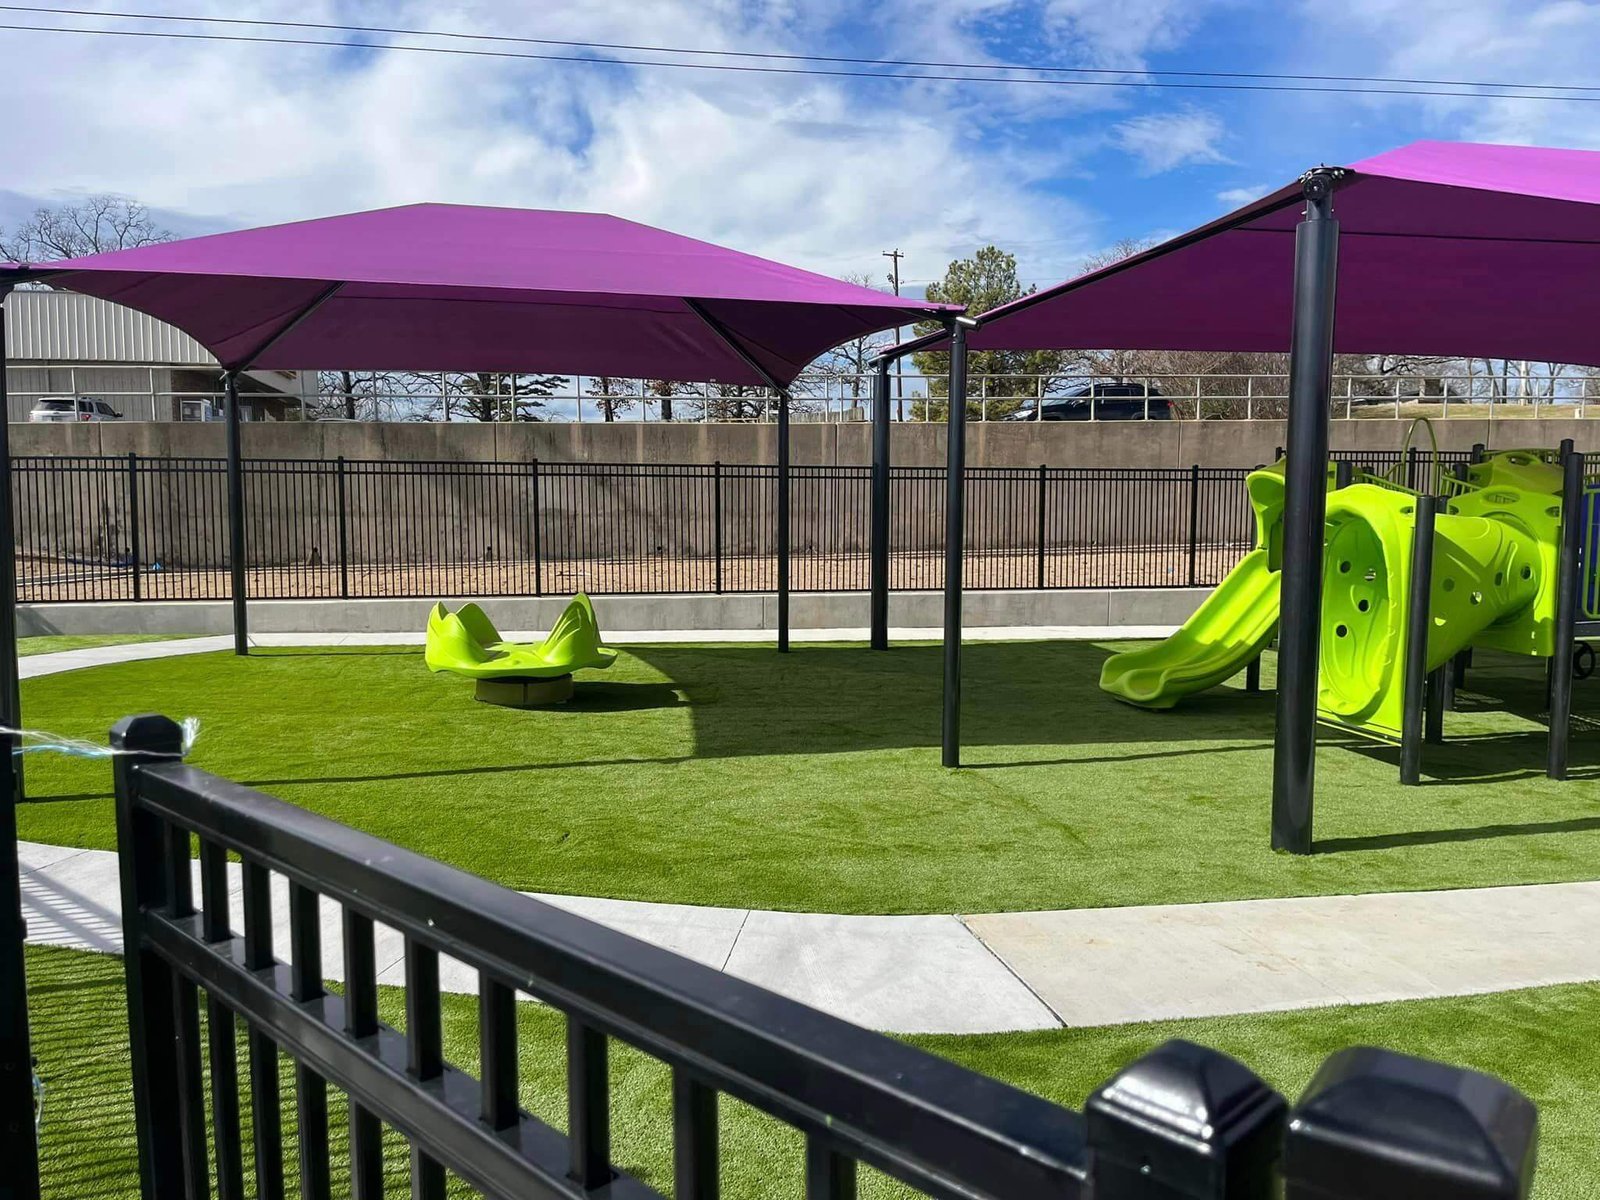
{"x": 47, "y": 580}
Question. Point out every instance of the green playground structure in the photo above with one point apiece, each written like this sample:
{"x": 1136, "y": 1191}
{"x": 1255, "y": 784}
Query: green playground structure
{"x": 518, "y": 674}
{"x": 1492, "y": 582}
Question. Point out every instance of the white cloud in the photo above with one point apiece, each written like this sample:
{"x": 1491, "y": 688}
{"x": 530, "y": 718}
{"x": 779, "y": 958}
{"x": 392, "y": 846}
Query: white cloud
{"x": 1165, "y": 141}
{"x": 1496, "y": 41}
{"x": 1238, "y": 197}
{"x": 822, "y": 173}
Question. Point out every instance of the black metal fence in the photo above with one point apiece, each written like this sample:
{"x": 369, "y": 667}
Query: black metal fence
{"x": 138, "y": 528}
{"x": 1182, "y": 1121}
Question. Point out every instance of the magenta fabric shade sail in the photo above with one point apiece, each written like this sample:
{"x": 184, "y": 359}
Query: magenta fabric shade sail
{"x": 435, "y": 287}
{"x": 1445, "y": 249}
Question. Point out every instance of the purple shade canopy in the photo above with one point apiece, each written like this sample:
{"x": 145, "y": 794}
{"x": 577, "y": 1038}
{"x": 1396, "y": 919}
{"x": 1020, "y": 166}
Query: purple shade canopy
{"x": 447, "y": 287}
{"x": 1445, "y": 249}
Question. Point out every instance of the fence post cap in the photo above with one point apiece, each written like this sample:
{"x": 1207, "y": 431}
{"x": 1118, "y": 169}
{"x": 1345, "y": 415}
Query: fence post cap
{"x": 1381, "y": 1125}
{"x": 1189, "y": 1119}
{"x": 148, "y": 733}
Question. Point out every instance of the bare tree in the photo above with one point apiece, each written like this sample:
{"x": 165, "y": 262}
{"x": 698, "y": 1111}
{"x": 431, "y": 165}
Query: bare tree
{"x": 846, "y": 364}
{"x": 611, "y": 396}
{"x": 98, "y": 224}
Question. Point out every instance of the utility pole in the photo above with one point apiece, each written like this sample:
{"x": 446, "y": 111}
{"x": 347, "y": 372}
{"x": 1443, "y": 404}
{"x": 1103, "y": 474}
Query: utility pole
{"x": 899, "y": 364}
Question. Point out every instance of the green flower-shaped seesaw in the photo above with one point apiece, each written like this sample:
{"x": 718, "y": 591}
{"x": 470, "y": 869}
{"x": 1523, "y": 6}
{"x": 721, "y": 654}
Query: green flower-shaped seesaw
{"x": 467, "y": 643}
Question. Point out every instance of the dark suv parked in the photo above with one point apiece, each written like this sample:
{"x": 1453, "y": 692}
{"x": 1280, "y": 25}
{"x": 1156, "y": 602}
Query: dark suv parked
{"x": 1110, "y": 402}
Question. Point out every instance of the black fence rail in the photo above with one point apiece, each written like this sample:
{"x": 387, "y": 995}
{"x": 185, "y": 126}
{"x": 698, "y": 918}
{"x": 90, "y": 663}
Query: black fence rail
{"x": 137, "y": 528}
{"x": 1182, "y": 1121}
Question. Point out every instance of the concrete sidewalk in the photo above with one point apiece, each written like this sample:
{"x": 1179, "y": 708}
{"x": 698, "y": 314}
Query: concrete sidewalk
{"x": 999, "y": 972}
{"x": 1008, "y": 972}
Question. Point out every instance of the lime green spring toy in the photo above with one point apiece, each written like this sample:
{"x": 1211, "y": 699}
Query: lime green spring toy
{"x": 1493, "y": 584}
{"x": 520, "y": 674}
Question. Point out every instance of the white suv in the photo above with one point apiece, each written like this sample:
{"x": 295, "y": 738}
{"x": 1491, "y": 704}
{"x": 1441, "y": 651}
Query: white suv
{"x": 73, "y": 408}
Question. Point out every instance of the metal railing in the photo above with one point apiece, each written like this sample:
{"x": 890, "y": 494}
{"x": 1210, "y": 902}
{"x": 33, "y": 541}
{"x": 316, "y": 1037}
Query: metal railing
{"x": 146, "y": 393}
{"x": 1183, "y": 1120}
{"x": 136, "y": 528}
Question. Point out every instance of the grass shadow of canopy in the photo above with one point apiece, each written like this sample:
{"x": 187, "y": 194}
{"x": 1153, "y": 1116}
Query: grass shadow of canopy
{"x": 826, "y": 698}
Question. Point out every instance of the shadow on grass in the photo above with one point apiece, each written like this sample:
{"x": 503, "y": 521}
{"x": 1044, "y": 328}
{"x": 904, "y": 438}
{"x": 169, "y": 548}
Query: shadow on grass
{"x": 821, "y": 699}
{"x": 452, "y": 772}
{"x": 1432, "y": 837}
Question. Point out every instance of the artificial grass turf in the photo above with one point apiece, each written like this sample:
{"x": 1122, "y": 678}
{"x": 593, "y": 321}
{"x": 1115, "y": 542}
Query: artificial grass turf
{"x": 50, "y": 643}
{"x": 1540, "y": 1040}
{"x": 736, "y": 776}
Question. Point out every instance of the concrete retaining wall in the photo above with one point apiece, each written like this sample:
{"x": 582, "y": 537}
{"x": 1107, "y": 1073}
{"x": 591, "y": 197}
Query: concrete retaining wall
{"x": 992, "y": 444}
{"x": 630, "y": 614}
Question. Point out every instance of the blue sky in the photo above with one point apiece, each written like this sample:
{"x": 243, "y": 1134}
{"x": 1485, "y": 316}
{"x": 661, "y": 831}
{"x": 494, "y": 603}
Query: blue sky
{"x": 822, "y": 172}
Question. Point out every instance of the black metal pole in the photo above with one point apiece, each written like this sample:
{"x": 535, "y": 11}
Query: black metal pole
{"x": 954, "y": 539}
{"x": 236, "y": 551}
{"x": 1414, "y": 666}
{"x": 879, "y": 565}
{"x": 1567, "y": 584}
{"x": 783, "y": 522}
{"x": 1194, "y": 520}
{"x": 1305, "y": 510}
{"x": 133, "y": 524}
{"x": 19, "y": 1148}
{"x": 10, "y": 688}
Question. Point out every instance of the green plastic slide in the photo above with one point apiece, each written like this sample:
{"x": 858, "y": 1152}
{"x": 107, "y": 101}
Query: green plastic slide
{"x": 1493, "y": 584}
{"x": 467, "y": 643}
{"x": 1233, "y": 624}
{"x": 1231, "y": 627}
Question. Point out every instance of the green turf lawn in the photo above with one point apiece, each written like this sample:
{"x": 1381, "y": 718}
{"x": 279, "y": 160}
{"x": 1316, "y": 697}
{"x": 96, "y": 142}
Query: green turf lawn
{"x": 811, "y": 781}
{"x": 51, "y": 643}
{"x": 1541, "y": 1040}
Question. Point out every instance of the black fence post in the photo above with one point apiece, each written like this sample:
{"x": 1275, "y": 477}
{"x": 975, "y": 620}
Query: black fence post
{"x": 133, "y": 522}
{"x": 716, "y": 518}
{"x": 1184, "y": 1121}
{"x": 1375, "y": 1125}
{"x": 1044, "y": 485}
{"x": 1344, "y": 473}
{"x": 1194, "y": 521}
{"x": 344, "y": 532}
{"x": 1414, "y": 680}
{"x": 153, "y": 1025}
{"x": 1568, "y": 584}
{"x": 537, "y": 523}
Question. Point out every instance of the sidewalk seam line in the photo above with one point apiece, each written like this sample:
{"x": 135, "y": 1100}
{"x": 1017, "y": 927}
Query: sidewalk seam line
{"x": 1010, "y": 970}
{"x": 734, "y": 945}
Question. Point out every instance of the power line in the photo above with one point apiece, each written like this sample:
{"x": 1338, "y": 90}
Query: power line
{"x": 255, "y": 39}
{"x": 1034, "y": 68}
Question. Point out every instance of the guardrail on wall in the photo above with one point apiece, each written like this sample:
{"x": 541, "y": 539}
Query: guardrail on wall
{"x": 158, "y": 393}
{"x": 1181, "y": 1121}
{"x": 137, "y": 528}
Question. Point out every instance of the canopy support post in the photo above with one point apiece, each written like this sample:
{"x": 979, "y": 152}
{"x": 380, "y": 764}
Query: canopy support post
{"x": 236, "y": 550}
{"x": 750, "y": 361}
{"x": 879, "y": 565}
{"x": 10, "y": 689}
{"x": 1569, "y": 590}
{"x": 1304, "y": 513}
{"x": 783, "y": 522}
{"x": 19, "y": 1145}
{"x": 954, "y": 539}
